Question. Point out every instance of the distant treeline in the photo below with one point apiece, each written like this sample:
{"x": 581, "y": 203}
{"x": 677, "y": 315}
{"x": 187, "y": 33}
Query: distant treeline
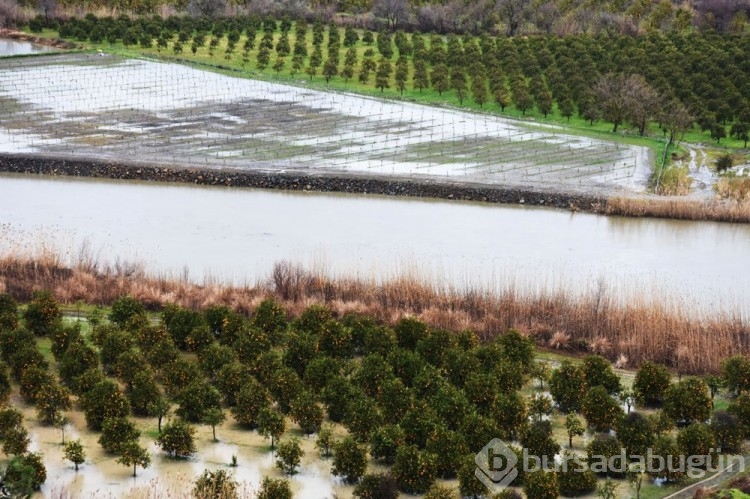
{"x": 512, "y": 17}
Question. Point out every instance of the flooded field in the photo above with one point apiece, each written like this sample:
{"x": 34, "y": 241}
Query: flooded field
{"x": 104, "y": 107}
{"x": 101, "y": 477}
{"x": 18, "y": 47}
{"x": 236, "y": 235}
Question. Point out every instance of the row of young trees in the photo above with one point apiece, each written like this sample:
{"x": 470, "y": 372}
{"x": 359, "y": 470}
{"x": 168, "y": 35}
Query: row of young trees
{"x": 673, "y": 81}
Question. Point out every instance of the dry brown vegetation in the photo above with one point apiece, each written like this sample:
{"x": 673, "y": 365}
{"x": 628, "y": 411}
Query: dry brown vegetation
{"x": 735, "y": 188}
{"x": 654, "y": 328}
{"x": 675, "y": 181}
{"x": 682, "y": 209}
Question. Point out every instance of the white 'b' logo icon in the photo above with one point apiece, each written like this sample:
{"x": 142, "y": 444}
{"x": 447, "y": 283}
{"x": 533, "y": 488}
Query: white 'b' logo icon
{"x": 496, "y": 465}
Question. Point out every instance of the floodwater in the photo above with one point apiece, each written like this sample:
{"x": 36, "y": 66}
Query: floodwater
{"x": 100, "y": 106}
{"x": 19, "y": 47}
{"x": 236, "y": 235}
{"x": 102, "y": 477}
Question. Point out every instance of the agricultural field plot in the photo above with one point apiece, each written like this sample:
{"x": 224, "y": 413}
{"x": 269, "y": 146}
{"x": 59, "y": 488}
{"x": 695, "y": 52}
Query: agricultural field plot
{"x": 136, "y": 110}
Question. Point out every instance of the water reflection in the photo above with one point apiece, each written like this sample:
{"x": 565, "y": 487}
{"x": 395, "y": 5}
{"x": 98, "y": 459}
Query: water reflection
{"x": 19, "y": 47}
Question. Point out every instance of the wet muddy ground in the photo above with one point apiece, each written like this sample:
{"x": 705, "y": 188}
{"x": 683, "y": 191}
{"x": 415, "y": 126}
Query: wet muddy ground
{"x": 104, "y": 107}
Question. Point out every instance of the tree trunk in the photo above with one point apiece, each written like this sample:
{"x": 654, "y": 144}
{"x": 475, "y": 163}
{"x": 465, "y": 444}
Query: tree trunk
{"x": 134, "y": 468}
{"x": 570, "y": 441}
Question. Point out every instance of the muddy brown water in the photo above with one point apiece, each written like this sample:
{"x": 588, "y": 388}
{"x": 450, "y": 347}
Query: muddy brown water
{"x": 236, "y": 235}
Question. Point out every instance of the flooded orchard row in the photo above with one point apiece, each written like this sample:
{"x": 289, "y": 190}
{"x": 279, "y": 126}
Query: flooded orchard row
{"x": 109, "y": 108}
{"x": 102, "y": 477}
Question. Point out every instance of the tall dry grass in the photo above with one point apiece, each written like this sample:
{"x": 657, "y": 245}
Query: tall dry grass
{"x": 734, "y": 188}
{"x": 727, "y": 210}
{"x": 627, "y": 332}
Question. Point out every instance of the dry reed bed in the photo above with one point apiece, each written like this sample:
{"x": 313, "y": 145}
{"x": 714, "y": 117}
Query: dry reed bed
{"x": 625, "y": 332}
{"x": 683, "y": 209}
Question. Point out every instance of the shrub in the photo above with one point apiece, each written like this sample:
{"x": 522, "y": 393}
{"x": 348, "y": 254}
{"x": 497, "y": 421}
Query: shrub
{"x": 349, "y": 460}
{"x": 414, "y": 470}
{"x": 741, "y": 409}
{"x": 697, "y": 440}
{"x": 599, "y": 452}
{"x": 675, "y": 181}
{"x": 517, "y": 349}
{"x": 288, "y": 456}
{"x": 468, "y": 483}
{"x": 439, "y": 492}
{"x": 104, "y": 401}
{"x": 409, "y": 331}
{"x": 324, "y": 442}
{"x": 688, "y": 401}
{"x": 636, "y": 433}
{"x": 598, "y": 372}
{"x": 176, "y": 439}
{"x": 567, "y": 385}
{"x": 219, "y": 484}
{"x": 75, "y": 453}
{"x": 196, "y": 399}
{"x": 727, "y": 430}
{"x": 42, "y": 315}
{"x": 271, "y": 318}
{"x": 724, "y": 163}
{"x": 385, "y": 442}
{"x": 126, "y": 309}
{"x": 251, "y": 400}
{"x": 539, "y": 442}
{"x": 271, "y": 488}
{"x": 116, "y": 432}
{"x": 602, "y": 412}
{"x": 541, "y": 485}
{"x": 574, "y": 478}
{"x": 8, "y": 313}
{"x": 651, "y": 383}
{"x": 736, "y": 373}
{"x": 448, "y": 447}
{"x": 24, "y": 474}
{"x": 376, "y": 486}
{"x": 663, "y": 448}
{"x": 307, "y": 413}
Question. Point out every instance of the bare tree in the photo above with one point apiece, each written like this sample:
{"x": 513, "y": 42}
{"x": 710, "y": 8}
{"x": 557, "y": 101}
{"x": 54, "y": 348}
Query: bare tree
{"x": 48, "y": 8}
{"x": 676, "y": 120}
{"x": 206, "y": 8}
{"x": 643, "y": 102}
{"x": 620, "y": 97}
{"x": 609, "y": 91}
{"x": 394, "y": 11}
{"x": 513, "y": 13}
{"x": 478, "y": 16}
{"x": 546, "y": 16}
